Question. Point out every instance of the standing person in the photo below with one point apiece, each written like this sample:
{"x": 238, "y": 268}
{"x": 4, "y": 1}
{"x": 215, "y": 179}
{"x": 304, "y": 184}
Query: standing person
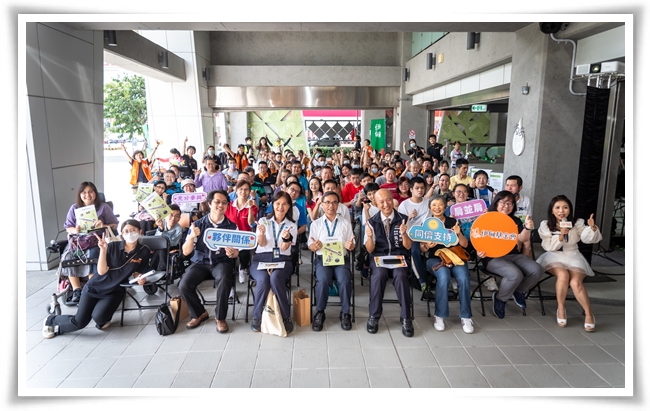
{"x": 435, "y": 148}
{"x": 276, "y": 233}
{"x": 140, "y": 167}
{"x": 390, "y": 184}
{"x": 386, "y": 235}
{"x": 262, "y": 146}
{"x": 351, "y": 189}
{"x": 313, "y": 195}
{"x": 443, "y": 273}
{"x": 416, "y": 208}
{"x": 461, "y": 177}
{"x": 415, "y": 151}
{"x": 403, "y": 191}
{"x": 519, "y": 273}
{"x": 208, "y": 264}
{"x": 241, "y": 159}
{"x": 211, "y": 179}
{"x": 455, "y": 155}
{"x": 514, "y": 184}
{"x": 564, "y": 260}
{"x": 188, "y": 157}
{"x": 243, "y": 212}
{"x": 324, "y": 229}
{"x": 103, "y": 293}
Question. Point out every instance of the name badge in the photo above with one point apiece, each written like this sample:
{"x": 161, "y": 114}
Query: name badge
{"x": 276, "y": 253}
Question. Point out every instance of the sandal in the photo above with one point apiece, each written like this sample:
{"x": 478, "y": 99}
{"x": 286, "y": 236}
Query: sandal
{"x": 590, "y": 327}
{"x": 561, "y": 321}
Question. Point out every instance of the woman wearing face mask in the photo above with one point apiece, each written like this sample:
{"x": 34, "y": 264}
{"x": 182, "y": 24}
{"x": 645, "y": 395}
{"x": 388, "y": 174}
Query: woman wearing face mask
{"x": 103, "y": 293}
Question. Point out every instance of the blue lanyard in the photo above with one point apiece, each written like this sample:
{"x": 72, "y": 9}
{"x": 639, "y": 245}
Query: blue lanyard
{"x": 276, "y": 237}
{"x": 331, "y": 234}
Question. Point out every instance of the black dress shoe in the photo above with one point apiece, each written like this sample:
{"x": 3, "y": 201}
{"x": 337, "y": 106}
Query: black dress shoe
{"x": 288, "y": 325}
{"x": 407, "y": 328}
{"x": 256, "y": 325}
{"x": 346, "y": 321}
{"x": 319, "y": 319}
{"x": 373, "y": 325}
{"x": 76, "y": 295}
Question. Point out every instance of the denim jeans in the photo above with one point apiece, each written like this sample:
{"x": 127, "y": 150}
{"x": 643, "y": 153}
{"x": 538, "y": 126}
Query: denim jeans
{"x": 443, "y": 276}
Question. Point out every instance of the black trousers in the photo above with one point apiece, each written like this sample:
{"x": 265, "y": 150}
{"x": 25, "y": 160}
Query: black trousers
{"x": 222, "y": 273}
{"x": 100, "y": 309}
{"x": 378, "y": 278}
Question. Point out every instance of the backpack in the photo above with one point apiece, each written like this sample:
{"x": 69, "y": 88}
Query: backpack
{"x": 165, "y": 325}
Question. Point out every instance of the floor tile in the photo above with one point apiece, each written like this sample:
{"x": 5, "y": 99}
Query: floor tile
{"x": 200, "y": 379}
{"x": 346, "y": 358}
{"x": 602, "y": 337}
{"x": 441, "y": 339}
{"x": 614, "y": 374}
{"x": 592, "y": 354}
{"x": 541, "y": 376}
{"x": 207, "y": 342}
{"x": 79, "y": 383}
{"x": 503, "y": 376}
{"x": 177, "y": 345}
{"x": 342, "y": 340}
{"x": 309, "y": 358}
{"x": 164, "y": 363}
{"x": 379, "y": 357}
{"x": 349, "y": 378}
{"x": 580, "y": 376}
{"x": 452, "y": 356}
{"x": 503, "y": 338}
{"x": 387, "y": 378}
{"x": 318, "y": 378}
{"x": 117, "y": 382}
{"x": 164, "y": 380}
{"x": 538, "y": 337}
{"x": 56, "y": 369}
{"x": 557, "y": 355}
{"x": 272, "y": 342}
{"x": 127, "y": 366}
{"x": 109, "y": 348}
{"x": 616, "y": 351}
{"x": 487, "y": 356}
{"x": 523, "y": 322}
{"x": 311, "y": 340}
{"x": 238, "y": 360}
{"x": 271, "y": 379}
{"x": 141, "y": 345}
{"x": 245, "y": 341}
{"x": 274, "y": 359}
{"x": 465, "y": 377}
{"x": 201, "y": 361}
{"x": 44, "y": 383}
{"x": 379, "y": 340}
{"x": 416, "y": 357}
{"x": 522, "y": 355}
{"x": 426, "y": 377}
{"x": 232, "y": 378}
{"x": 93, "y": 368}
{"x": 569, "y": 336}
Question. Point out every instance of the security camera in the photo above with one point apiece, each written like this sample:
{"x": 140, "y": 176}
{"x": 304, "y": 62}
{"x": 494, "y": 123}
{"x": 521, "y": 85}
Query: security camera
{"x": 551, "y": 28}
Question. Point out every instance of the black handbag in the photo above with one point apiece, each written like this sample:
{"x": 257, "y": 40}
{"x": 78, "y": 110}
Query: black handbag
{"x": 165, "y": 325}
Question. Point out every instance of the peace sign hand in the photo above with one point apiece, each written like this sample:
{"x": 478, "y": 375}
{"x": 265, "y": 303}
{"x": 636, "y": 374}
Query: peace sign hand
{"x": 101, "y": 242}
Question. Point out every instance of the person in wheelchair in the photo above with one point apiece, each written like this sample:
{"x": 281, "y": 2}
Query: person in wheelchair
{"x": 169, "y": 228}
{"x": 386, "y": 235}
{"x": 443, "y": 273}
{"x": 87, "y": 195}
{"x": 103, "y": 293}
{"x": 208, "y": 264}
{"x": 327, "y": 229}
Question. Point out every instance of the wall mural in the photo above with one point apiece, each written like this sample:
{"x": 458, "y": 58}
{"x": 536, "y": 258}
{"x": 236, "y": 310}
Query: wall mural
{"x": 277, "y": 126}
{"x": 465, "y": 126}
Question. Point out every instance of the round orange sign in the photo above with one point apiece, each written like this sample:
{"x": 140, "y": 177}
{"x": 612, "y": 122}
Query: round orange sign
{"x": 494, "y": 233}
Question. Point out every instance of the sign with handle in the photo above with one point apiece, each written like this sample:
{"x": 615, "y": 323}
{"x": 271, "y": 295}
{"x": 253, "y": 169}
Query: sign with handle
{"x": 188, "y": 198}
{"x": 215, "y": 238}
{"x": 494, "y": 233}
{"x": 433, "y": 230}
{"x": 468, "y": 209}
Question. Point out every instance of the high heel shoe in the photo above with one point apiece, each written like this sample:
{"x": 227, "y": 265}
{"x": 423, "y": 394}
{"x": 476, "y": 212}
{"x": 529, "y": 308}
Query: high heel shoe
{"x": 561, "y": 321}
{"x": 590, "y": 327}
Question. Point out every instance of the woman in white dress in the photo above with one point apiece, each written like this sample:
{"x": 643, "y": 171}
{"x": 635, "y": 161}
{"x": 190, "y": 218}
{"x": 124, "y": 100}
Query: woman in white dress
{"x": 562, "y": 257}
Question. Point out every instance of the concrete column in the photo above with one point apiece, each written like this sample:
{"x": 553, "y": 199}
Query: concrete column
{"x": 552, "y": 119}
{"x": 64, "y": 74}
{"x": 366, "y": 116}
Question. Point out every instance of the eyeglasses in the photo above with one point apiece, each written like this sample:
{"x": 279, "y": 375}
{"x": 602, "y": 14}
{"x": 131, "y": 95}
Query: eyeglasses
{"x": 293, "y": 190}
{"x": 330, "y": 202}
{"x": 506, "y": 203}
{"x": 217, "y": 202}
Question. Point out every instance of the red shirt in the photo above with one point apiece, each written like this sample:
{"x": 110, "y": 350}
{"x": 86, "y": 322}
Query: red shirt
{"x": 349, "y": 191}
{"x": 392, "y": 187}
{"x": 240, "y": 217}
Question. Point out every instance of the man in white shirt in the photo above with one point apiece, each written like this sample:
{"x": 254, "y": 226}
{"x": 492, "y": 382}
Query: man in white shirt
{"x": 514, "y": 184}
{"x": 416, "y": 209}
{"x": 325, "y": 231}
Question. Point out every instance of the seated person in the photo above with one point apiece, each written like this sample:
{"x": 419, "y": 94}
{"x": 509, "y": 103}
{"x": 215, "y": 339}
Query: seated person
{"x": 481, "y": 188}
{"x": 172, "y": 186}
{"x": 103, "y": 293}
{"x": 275, "y": 235}
{"x": 443, "y": 273}
{"x": 87, "y": 195}
{"x": 318, "y": 211}
{"x": 170, "y": 229}
{"x": 243, "y": 212}
{"x": 462, "y": 166}
{"x": 208, "y": 264}
{"x": 414, "y": 170}
{"x": 210, "y": 179}
{"x": 323, "y": 229}
{"x": 390, "y": 184}
{"x": 231, "y": 173}
{"x": 386, "y": 235}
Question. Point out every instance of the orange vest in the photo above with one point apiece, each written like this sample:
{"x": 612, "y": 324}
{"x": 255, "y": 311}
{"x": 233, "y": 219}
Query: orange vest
{"x": 145, "y": 169}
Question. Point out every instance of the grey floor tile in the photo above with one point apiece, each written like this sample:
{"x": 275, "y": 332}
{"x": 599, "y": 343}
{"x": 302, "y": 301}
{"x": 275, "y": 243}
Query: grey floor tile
{"x": 271, "y": 379}
{"x": 127, "y": 332}
{"x": 538, "y": 337}
{"x": 117, "y": 382}
{"x": 232, "y": 379}
{"x": 208, "y": 342}
{"x": 238, "y": 360}
{"x": 541, "y": 376}
{"x": 477, "y": 339}
{"x": 614, "y": 374}
{"x": 399, "y": 340}
{"x": 311, "y": 340}
{"x": 274, "y": 359}
{"x": 109, "y": 348}
{"x": 465, "y": 377}
{"x": 309, "y": 358}
{"x": 127, "y": 366}
{"x": 141, "y": 345}
{"x": 490, "y": 322}
{"x": 201, "y": 361}
{"x": 441, "y": 339}
{"x": 379, "y": 340}
{"x": 523, "y": 322}
{"x": 426, "y": 377}
{"x": 503, "y": 376}
{"x": 93, "y": 368}
{"x": 342, "y": 340}
{"x": 56, "y": 369}
{"x": 503, "y": 338}
{"x": 616, "y": 351}
{"x": 346, "y": 358}
{"x": 273, "y": 342}
{"x": 580, "y": 376}
{"x": 199, "y": 379}
{"x": 244, "y": 341}
{"x": 569, "y": 336}
{"x": 177, "y": 345}
{"x": 79, "y": 383}
{"x": 557, "y": 354}
{"x": 349, "y": 378}
{"x": 487, "y": 356}
{"x": 318, "y": 378}
{"x": 387, "y": 378}
{"x": 44, "y": 383}
{"x": 522, "y": 355}
{"x": 155, "y": 380}
{"x": 452, "y": 356}
{"x": 164, "y": 363}
{"x": 77, "y": 349}
{"x": 379, "y": 357}
{"x": 603, "y": 337}
{"x": 592, "y": 354}
{"x": 416, "y": 357}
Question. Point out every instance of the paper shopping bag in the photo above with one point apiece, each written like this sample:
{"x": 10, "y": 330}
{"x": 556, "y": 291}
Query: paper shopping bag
{"x": 301, "y": 306}
{"x": 272, "y": 317}
{"x": 174, "y": 303}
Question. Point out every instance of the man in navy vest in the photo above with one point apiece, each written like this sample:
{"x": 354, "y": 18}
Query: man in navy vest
{"x": 386, "y": 235}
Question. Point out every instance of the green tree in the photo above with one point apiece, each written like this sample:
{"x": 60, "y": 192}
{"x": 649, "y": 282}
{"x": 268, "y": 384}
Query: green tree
{"x": 126, "y": 105}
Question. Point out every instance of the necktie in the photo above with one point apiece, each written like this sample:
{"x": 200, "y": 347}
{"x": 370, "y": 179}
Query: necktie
{"x": 387, "y": 228}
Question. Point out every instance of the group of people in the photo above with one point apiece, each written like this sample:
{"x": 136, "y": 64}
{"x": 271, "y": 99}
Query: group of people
{"x": 362, "y": 201}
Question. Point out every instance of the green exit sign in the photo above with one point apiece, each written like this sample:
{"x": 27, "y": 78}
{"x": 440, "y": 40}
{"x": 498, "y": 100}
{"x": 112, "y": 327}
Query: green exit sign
{"x": 479, "y": 108}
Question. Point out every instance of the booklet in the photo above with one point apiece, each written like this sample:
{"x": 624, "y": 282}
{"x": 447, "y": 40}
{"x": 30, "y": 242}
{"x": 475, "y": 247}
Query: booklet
{"x": 144, "y": 189}
{"x": 390, "y": 261}
{"x": 156, "y": 206}
{"x": 86, "y": 217}
{"x": 333, "y": 252}
{"x": 145, "y": 275}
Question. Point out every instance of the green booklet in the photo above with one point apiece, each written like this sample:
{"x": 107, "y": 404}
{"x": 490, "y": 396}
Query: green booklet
{"x": 86, "y": 217}
{"x": 333, "y": 253}
{"x": 144, "y": 189}
{"x": 156, "y": 206}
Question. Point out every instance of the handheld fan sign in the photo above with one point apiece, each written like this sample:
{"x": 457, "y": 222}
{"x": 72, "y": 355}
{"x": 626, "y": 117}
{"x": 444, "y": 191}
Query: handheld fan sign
{"x": 494, "y": 233}
{"x": 215, "y": 238}
{"x": 433, "y": 230}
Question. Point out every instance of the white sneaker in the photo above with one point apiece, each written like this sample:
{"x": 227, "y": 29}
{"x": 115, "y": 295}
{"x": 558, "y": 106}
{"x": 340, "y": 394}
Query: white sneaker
{"x": 454, "y": 284}
{"x": 232, "y": 292}
{"x": 242, "y": 275}
{"x": 468, "y": 325}
{"x": 491, "y": 284}
{"x": 48, "y": 330}
{"x": 438, "y": 323}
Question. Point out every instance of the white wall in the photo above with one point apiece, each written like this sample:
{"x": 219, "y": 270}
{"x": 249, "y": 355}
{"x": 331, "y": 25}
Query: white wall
{"x": 64, "y": 74}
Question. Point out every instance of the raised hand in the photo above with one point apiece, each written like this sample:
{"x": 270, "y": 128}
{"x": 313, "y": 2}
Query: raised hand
{"x": 261, "y": 229}
{"x": 529, "y": 222}
{"x": 403, "y": 228}
{"x": 413, "y": 214}
{"x": 194, "y": 231}
{"x": 368, "y": 232}
{"x": 101, "y": 242}
{"x": 316, "y": 245}
{"x": 456, "y": 228}
{"x": 349, "y": 245}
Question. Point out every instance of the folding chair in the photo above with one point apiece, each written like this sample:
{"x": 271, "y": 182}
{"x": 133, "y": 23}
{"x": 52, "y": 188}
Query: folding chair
{"x": 314, "y": 281}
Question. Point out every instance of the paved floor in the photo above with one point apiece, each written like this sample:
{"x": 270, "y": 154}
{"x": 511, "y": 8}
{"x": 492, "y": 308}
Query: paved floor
{"x": 518, "y": 351}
